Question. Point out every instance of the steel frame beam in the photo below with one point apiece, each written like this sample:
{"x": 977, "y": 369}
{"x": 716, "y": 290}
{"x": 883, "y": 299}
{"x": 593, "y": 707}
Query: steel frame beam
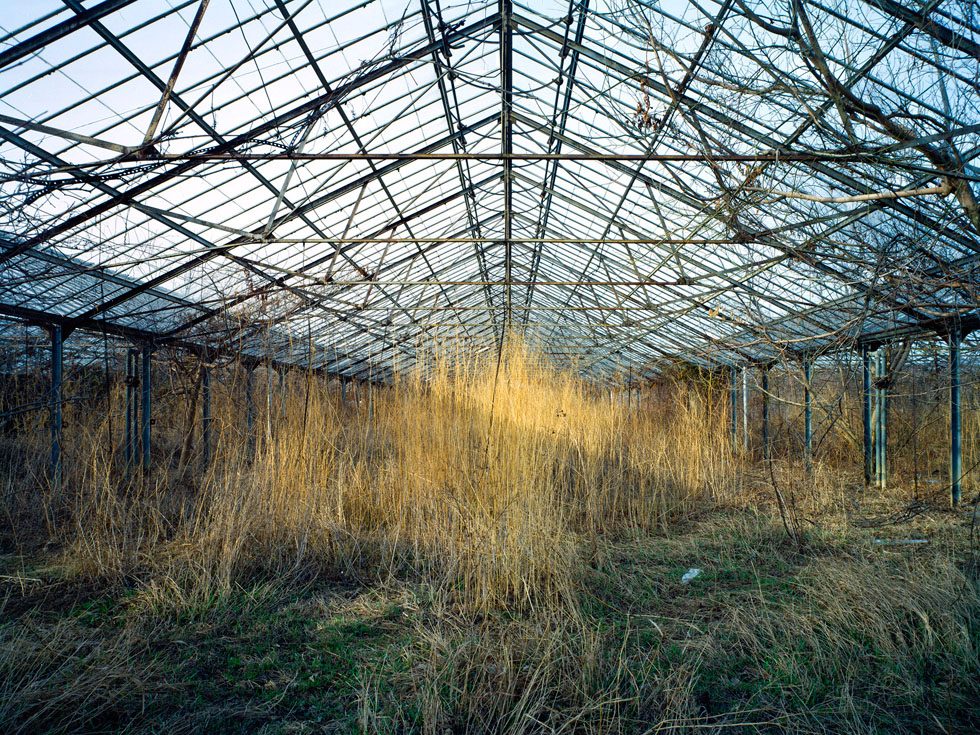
{"x": 83, "y": 19}
{"x": 454, "y": 122}
{"x": 505, "y": 10}
{"x": 559, "y": 122}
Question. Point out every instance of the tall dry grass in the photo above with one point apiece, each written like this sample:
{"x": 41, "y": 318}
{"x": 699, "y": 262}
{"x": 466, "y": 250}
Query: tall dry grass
{"x": 490, "y": 477}
{"x": 489, "y": 488}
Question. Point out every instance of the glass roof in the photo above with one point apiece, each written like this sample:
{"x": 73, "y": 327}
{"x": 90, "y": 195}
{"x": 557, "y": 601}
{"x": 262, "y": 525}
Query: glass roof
{"x": 624, "y": 182}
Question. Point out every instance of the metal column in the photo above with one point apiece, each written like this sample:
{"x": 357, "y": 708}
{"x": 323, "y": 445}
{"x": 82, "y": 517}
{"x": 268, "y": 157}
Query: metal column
{"x": 57, "y": 365}
{"x": 766, "y": 449}
{"x": 881, "y": 425}
{"x": 807, "y": 414}
{"x": 733, "y": 387}
{"x": 507, "y": 148}
{"x": 147, "y": 406}
{"x": 955, "y": 427}
{"x": 132, "y": 380}
{"x": 206, "y": 415}
{"x": 866, "y": 413}
{"x": 745, "y": 408}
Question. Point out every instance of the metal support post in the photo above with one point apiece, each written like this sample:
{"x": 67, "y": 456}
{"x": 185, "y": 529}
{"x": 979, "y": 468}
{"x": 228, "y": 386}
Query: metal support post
{"x": 507, "y": 149}
{"x": 955, "y": 426}
{"x": 766, "y": 449}
{"x": 132, "y": 380}
{"x": 881, "y": 455}
{"x": 147, "y": 405}
{"x": 808, "y": 415}
{"x": 745, "y": 408}
{"x": 206, "y": 415}
{"x": 866, "y": 414}
{"x": 733, "y": 400}
{"x": 57, "y": 369}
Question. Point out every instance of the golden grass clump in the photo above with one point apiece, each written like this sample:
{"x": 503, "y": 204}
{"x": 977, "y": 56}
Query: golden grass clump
{"x": 488, "y": 476}
{"x": 484, "y": 477}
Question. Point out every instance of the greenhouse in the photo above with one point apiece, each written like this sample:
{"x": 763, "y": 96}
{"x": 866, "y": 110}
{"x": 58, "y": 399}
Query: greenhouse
{"x": 575, "y": 366}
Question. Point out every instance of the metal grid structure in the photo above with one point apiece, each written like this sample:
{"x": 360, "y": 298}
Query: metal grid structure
{"x": 625, "y": 182}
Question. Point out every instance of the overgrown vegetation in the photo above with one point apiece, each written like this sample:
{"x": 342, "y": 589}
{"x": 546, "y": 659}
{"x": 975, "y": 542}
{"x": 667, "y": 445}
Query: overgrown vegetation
{"x": 494, "y": 548}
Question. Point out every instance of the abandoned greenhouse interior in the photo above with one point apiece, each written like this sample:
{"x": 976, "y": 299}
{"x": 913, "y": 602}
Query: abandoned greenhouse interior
{"x": 444, "y": 366}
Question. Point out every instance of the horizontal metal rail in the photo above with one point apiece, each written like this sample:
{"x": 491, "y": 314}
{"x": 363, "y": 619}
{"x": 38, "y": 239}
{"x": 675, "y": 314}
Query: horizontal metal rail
{"x": 765, "y": 157}
{"x": 43, "y": 405}
{"x": 505, "y": 282}
{"x": 272, "y": 239}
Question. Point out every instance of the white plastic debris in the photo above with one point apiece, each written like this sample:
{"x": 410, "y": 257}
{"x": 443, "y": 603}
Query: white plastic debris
{"x": 690, "y": 574}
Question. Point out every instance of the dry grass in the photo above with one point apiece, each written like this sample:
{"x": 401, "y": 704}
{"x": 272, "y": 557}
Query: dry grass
{"x": 493, "y": 548}
{"x": 63, "y": 677}
{"x": 487, "y": 480}
{"x": 845, "y": 638}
